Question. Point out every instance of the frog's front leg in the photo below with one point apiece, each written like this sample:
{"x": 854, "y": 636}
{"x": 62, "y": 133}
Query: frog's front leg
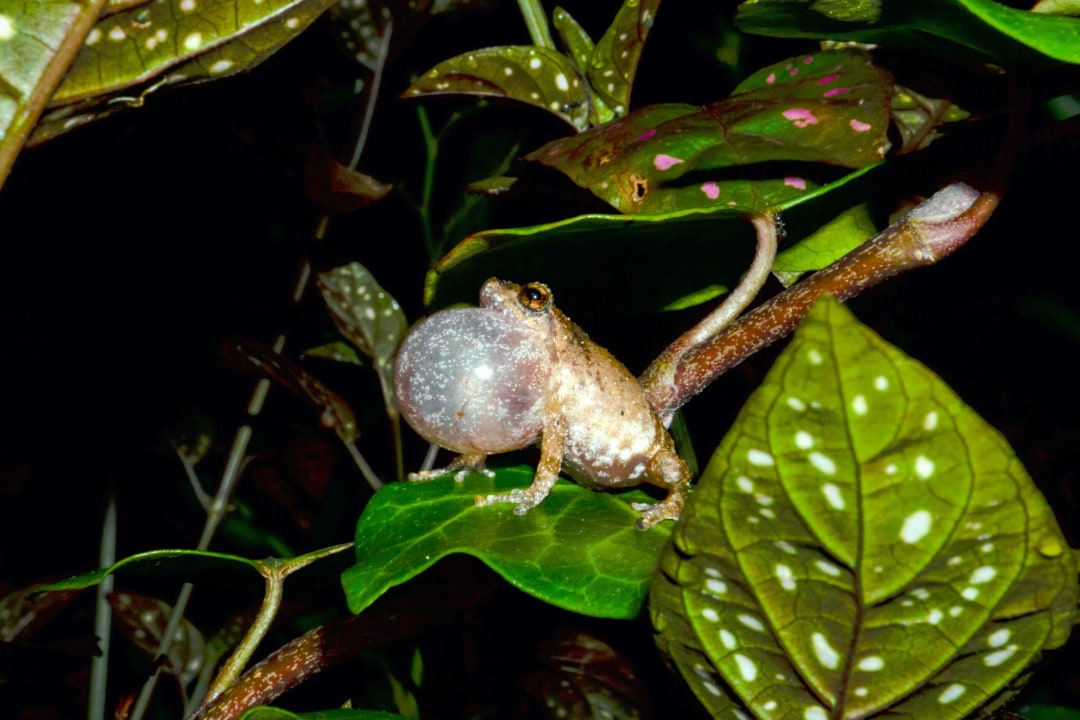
{"x": 461, "y": 466}
{"x": 667, "y": 470}
{"x": 552, "y": 446}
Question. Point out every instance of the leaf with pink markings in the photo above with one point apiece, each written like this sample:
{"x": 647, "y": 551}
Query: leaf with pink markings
{"x": 773, "y": 140}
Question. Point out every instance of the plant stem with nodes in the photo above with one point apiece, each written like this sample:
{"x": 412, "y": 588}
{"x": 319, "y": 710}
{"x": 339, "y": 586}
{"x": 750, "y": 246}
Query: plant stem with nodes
{"x": 931, "y": 231}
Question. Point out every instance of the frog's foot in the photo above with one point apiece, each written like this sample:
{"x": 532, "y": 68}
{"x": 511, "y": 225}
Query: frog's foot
{"x": 461, "y": 466}
{"x": 525, "y": 499}
{"x": 651, "y": 514}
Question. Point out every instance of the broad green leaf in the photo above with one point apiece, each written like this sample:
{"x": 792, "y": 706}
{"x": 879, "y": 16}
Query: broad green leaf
{"x": 614, "y": 61}
{"x": 967, "y": 30}
{"x": 651, "y": 251}
{"x": 537, "y": 76}
{"x": 861, "y": 545}
{"x": 131, "y": 53}
{"x": 773, "y": 140}
{"x": 579, "y": 549}
{"x": 38, "y": 39}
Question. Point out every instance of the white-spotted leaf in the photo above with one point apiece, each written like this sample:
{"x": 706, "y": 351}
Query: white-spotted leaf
{"x": 137, "y": 50}
{"x": 861, "y": 545}
{"x": 534, "y": 75}
{"x": 615, "y": 59}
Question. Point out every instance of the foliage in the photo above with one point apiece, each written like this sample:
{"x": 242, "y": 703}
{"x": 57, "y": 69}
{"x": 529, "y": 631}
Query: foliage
{"x": 862, "y": 543}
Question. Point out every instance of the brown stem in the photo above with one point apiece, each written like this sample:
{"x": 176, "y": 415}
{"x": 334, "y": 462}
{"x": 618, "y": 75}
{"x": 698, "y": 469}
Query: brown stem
{"x": 658, "y": 378}
{"x": 402, "y": 613}
{"x": 928, "y": 233}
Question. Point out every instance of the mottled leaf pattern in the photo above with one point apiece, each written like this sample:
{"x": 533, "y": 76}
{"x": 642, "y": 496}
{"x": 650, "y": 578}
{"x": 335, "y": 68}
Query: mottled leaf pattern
{"x": 368, "y": 317}
{"x": 615, "y": 59}
{"x": 37, "y": 41}
{"x": 574, "y": 37}
{"x": 537, "y": 76}
{"x": 131, "y": 53}
{"x": 765, "y": 145}
{"x": 578, "y": 550}
{"x": 968, "y": 30}
{"x": 142, "y": 620}
{"x": 861, "y": 545}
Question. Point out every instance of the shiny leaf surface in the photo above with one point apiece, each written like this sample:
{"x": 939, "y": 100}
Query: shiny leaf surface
{"x": 861, "y": 545}
{"x": 968, "y": 30}
{"x": 578, "y": 550}
{"x": 37, "y": 42}
{"x": 537, "y": 76}
{"x": 614, "y": 61}
{"x": 129, "y": 54}
{"x": 770, "y": 142}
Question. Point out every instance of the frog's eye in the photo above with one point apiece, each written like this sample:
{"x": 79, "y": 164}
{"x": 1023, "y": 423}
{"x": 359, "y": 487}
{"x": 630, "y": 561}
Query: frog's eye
{"x": 535, "y": 297}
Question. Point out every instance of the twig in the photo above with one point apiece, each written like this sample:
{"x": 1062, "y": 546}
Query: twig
{"x": 933, "y": 230}
{"x": 659, "y": 378}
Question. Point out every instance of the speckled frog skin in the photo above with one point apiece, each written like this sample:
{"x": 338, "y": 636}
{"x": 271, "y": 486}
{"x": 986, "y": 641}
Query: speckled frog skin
{"x": 526, "y": 375}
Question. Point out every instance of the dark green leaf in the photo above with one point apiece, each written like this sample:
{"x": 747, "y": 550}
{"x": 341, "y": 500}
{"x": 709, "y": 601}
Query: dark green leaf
{"x": 579, "y": 549}
{"x": 574, "y": 37}
{"x": 131, "y": 53}
{"x": 537, "y": 76}
{"x": 769, "y": 143}
{"x": 918, "y": 117}
{"x": 37, "y": 41}
{"x": 615, "y": 59}
{"x": 968, "y": 30}
{"x": 172, "y": 562}
{"x": 651, "y": 251}
{"x": 861, "y": 545}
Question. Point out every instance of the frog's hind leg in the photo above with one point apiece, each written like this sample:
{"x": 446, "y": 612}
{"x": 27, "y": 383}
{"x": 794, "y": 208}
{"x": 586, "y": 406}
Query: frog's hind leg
{"x": 675, "y": 477}
{"x": 461, "y": 466}
{"x": 552, "y": 446}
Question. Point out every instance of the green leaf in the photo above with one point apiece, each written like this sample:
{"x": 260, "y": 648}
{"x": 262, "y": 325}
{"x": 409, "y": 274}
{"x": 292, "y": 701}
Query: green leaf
{"x": 769, "y": 143}
{"x": 861, "y": 545}
{"x": 38, "y": 39}
{"x": 651, "y": 251}
{"x": 537, "y": 76}
{"x": 614, "y": 61}
{"x": 131, "y": 53}
{"x": 579, "y": 549}
{"x": 171, "y": 562}
{"x": 967, "y": 30}
{"x": 574, "y": 37}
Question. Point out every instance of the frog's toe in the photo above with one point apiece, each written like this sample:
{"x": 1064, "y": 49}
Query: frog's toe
{"x": 653, "y": 514}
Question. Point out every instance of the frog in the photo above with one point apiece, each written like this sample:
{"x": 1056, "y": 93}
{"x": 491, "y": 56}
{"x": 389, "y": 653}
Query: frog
{"x": 515, "y": 372}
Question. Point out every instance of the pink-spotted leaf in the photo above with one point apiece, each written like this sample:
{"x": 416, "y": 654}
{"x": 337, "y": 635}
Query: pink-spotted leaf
{"x": 537, "y": 76}
{"x": 579, "y": 549}
{"x": 773, "y": 140}
{"x": 861, "y": 545}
